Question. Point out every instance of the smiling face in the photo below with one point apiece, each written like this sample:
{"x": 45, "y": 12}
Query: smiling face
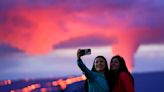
{"x": 115, "y": 64}
{"x": 100, "y": 64}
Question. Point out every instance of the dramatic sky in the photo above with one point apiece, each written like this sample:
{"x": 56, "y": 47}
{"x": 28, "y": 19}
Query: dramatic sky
{"x": 39, "y": 38}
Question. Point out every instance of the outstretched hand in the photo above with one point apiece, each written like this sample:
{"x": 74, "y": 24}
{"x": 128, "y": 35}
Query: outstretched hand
{"x": 79, "y": 53}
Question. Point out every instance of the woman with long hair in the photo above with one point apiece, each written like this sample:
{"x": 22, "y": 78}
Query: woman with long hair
{"x": 121, "y": 79}
{"x": 97, "y": 78}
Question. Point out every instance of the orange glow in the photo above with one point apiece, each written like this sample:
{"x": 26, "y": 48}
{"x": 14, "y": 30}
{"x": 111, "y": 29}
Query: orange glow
{"x": 83, "y": 77}
{"x": 8, "y": 82}
{"x": 25, "y": 90}
{"x": 28, "y": 88}
{"x": 62, "y": 83}
{"x": 68, "y": 81}
{"x": 55, "y": 83}
{"x": 31, "y": 87}
{"x": 43, "y": 90}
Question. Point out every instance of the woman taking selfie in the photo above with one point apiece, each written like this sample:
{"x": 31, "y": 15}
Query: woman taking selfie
{"x": 97, "y": 78}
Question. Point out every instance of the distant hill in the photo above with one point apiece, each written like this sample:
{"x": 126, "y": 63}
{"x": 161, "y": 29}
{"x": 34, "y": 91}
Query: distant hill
{"x": 144, "y": 82}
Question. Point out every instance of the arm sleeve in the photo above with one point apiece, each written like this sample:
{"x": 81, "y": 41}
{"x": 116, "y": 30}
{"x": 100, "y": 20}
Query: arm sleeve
{"x": 127, "y": 82}
{"x": 88, "y": 73}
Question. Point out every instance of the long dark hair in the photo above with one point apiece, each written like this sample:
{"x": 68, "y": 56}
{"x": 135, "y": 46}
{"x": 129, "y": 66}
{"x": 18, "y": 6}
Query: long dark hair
{"x": 106, "y": 72}
{"x": 123, "y": 68}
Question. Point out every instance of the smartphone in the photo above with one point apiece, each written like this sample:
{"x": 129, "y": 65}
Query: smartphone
{"x": 85, "y": 52}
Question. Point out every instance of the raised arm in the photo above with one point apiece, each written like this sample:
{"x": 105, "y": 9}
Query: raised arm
{"x": 88, "y": 73}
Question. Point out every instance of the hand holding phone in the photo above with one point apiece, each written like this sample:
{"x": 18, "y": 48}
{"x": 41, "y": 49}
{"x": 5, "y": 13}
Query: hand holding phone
{"x": 82, "y": 52}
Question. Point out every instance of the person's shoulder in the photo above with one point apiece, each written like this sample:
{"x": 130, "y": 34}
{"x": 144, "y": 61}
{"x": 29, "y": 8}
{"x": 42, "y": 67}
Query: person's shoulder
{"x": 124, "y": 74}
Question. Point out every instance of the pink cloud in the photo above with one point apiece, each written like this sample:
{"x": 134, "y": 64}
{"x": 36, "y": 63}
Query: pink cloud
{"x": 37, "y": 27}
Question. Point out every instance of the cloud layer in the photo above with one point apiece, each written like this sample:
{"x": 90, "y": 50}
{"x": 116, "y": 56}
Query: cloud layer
{"x": 43, "y": 25}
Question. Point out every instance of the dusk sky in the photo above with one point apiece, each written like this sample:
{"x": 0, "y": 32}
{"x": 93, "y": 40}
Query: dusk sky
{"x": 39, "y": 38}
